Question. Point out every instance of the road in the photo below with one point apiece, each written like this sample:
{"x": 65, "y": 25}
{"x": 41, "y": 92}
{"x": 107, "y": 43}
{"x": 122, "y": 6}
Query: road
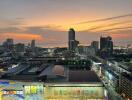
{"x": 112, "y": 94}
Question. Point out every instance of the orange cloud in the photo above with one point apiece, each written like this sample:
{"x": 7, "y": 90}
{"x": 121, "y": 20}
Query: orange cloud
{"x": 21, "y": 36}
{"x": 121, "y": 36}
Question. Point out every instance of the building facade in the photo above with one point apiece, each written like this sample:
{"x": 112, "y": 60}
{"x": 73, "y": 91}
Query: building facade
{"x": 72, "y": 43}
{"x": 106, "y": 46}
{"x": 126, "y": 86}
{"x": 95, "y": 45}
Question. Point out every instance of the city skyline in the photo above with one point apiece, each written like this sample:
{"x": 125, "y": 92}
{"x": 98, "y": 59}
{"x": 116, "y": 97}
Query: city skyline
{"x": 48, "y": 21}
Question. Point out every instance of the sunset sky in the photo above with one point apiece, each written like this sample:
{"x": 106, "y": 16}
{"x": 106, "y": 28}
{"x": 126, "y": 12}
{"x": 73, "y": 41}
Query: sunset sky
{"x": 48, "y": 21}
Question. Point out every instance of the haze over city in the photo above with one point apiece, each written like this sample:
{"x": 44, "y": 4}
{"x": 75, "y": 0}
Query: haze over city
{"x": 47, "y": 21}
{"x": 65, "y": 49}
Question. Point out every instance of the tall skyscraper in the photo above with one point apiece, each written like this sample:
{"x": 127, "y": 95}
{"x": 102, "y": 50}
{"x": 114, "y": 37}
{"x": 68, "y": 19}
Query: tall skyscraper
{"x": 106, "y": 45}
{"x": 71, "y": 34}
{"x": 72, "y": 42}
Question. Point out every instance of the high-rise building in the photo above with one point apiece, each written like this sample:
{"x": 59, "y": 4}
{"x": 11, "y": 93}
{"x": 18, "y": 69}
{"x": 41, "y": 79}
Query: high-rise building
{"x": 95, "y": 45}
{"x": 8, "y": 44}
{"x": 106, "y": 45}
{"x": 33, "y": 45}
{"x": 72, "y": 42}
{"x": 71, "y": 34}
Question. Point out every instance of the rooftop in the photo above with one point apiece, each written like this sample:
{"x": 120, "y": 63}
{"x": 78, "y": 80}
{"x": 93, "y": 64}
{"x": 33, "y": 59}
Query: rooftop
{"x": 83, "y": 76}
{"x": 52, "y": 73}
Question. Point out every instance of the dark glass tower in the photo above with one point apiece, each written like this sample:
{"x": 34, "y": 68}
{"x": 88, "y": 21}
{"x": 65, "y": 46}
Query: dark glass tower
{"x": 71, "y": 39}
{"x": 106, "y": 45}
{"x": 71, "y": 34}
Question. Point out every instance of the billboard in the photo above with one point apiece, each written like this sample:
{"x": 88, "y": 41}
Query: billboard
{"x": 33, "y": 89}
{"x": 33, "y": 92}
{"x": 71, "y": 92}
{"x": 12, "y": 95}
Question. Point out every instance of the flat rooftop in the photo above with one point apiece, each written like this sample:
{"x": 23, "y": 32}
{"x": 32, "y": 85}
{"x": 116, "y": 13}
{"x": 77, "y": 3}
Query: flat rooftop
{"x": 83, "y": 76}
{"x": 71, "y": 76}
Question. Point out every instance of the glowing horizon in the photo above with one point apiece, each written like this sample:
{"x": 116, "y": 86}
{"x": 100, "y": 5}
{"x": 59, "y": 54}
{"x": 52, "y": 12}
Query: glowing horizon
{"x": 48, "y": 21}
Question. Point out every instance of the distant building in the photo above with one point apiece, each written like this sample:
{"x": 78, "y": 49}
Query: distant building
{"x": 86, "y": 50}
{"x": 95, "y": 45}
{"x": 81, "y": 49}
{"x": 20, "y": 47}
{"x": 71, "y": 34}
{"x": 33, "y": 45}
{"x": 91, "y": 51}
{"x": 106, "y": 46}
{"x": 29, "y": 44}
{"x": 8, "y": 45}
{"x": 126, "y": 86}
{"x": 72, "y": 42}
